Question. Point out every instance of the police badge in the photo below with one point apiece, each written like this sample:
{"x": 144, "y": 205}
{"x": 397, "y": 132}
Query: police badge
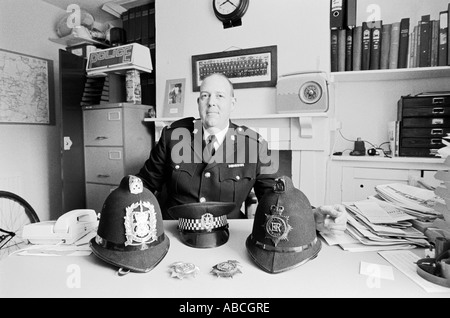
{"x": 140, "y": 224}
{"x": 182, "y": 270}
{"x": 227, "y": 269}
{"x": 276, "y": 226}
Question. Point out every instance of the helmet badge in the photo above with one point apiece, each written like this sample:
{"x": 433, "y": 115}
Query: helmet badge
{"x": 276, "y": 226}
{"x": 140, "y": 224}
{"x": 207, "y": 222}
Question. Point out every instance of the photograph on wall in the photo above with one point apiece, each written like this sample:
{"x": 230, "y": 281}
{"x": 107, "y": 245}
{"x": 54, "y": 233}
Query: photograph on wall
{"x": 26, "y": 89}
{"x": 174, "y": 98}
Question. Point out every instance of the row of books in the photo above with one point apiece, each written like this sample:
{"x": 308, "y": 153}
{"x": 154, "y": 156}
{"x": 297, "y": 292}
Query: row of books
{"x": 139, "y": 26}
{"x": 376, "y": 45}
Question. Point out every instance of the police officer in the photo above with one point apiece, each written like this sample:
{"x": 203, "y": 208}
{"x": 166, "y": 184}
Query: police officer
{"x": 212, "y": 159}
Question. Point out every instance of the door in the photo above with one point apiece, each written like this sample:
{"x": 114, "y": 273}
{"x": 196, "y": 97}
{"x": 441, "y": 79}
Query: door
{"x": 72, "y": 81}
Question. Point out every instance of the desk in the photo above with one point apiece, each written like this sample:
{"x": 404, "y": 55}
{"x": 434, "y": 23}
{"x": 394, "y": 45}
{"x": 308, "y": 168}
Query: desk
{"x": 334, "y": 273}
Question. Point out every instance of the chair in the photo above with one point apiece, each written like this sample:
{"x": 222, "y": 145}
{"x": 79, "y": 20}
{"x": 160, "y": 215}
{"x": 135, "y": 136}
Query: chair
{"x": 15, "y": 213}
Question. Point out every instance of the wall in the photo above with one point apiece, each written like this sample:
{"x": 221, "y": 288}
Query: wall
{"x": 189, "y": 27}
{"x": 30, "y": 154}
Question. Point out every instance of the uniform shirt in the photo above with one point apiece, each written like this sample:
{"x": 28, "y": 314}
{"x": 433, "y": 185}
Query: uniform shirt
{"x": 240, "y": 164}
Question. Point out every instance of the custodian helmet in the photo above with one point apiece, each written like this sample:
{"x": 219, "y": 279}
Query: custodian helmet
{"x": 130, "y": 232}
{"x": 284, "y": 231}
{"x": 203, "y": 224}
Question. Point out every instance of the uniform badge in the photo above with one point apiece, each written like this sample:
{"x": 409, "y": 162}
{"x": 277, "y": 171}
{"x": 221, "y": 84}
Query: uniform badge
{"x": 227, "y": 269}
{"x": 207, "y": 222}
{"x": 182, "y": 270}
{"x": 140, "y": 224}
{"x": 276, "y": 226}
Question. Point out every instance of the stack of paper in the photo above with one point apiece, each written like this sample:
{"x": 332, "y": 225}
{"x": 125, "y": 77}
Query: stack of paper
{"x": 414, "y": 201}
{"x": 444, "y": 192}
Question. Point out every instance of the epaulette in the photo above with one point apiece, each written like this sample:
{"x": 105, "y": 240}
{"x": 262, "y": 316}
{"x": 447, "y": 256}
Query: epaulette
{"x": 187, "y": 122}
{"x": 245, "y": 131}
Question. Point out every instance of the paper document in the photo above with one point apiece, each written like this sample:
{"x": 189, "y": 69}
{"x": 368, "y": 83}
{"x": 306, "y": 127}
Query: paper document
{"x": 382, "y": 271}
{"x": 405, "y": 262}
{"x": 374, "y": 213}
{"x": 55, "y": 250}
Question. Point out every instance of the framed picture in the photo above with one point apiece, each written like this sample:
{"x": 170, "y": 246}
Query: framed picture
{"x": 174, "y": 98}
{"x": 246, "y": 68}
{"x": 26, "y": 89}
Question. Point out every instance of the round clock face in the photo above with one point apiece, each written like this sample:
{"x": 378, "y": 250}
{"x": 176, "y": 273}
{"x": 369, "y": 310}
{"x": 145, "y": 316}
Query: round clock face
{"x": 226, "y": 7}
{"x": 310, "y": 92}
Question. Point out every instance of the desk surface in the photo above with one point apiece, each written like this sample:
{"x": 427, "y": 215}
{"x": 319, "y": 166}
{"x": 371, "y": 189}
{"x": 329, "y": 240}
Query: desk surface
{"x": 334, "y": 273}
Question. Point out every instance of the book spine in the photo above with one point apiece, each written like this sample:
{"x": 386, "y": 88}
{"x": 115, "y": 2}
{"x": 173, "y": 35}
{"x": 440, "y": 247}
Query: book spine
{"x": 341, "y": 49}
{"x": 443, "y": 33}
{"x": 350, "y": 14}
{"x": 357, "y": 48}
{"x": 334, "y": 50}
{"x": 385, "y": 45}
{"x": 349, "y": 50}
{"x": 425, "y": 38}
{"x": 366, "y": 36}
{"x": 434, "y": 43}
{"x": 395, "y": 44}
{"x": 375, "y": 46}
{"x": 337, "y": 9}
{"x": 403, "y": 43}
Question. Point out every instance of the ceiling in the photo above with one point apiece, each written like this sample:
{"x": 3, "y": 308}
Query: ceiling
{"x": 94, "y": 7}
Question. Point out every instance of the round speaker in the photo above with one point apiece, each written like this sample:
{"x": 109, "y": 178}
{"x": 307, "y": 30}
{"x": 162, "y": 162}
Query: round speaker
{"x": 310, "y": 92}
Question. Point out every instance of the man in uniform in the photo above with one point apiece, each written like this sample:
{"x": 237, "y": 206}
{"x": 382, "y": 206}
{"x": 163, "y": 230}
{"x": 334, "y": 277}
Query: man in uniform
{"x": 212, "y": 159}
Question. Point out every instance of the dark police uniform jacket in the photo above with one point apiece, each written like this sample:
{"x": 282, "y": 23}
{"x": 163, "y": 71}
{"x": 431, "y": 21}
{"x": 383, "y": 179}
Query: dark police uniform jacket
{"x": 241, "y": 163}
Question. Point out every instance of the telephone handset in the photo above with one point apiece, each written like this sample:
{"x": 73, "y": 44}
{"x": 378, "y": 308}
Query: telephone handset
{"x": 69, "y": 228}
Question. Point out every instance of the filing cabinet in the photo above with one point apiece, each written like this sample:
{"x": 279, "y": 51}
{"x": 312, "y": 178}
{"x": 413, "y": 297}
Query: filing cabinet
{"x": 116, "y": 144}
{"x": 424, "y": 121}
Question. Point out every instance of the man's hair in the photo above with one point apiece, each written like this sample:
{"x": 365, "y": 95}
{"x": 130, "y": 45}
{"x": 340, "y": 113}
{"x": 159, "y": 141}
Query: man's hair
{"x": 224, "y": 77}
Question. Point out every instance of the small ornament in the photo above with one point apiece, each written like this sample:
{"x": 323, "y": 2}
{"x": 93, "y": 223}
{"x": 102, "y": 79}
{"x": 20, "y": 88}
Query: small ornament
{"x": 182, "y": 270}
{"x": 227, "y": 269}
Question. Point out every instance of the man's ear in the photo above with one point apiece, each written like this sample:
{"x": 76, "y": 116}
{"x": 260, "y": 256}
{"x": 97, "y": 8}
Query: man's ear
{"x": 198, "y": 100}
{"x": 233, "y": 103}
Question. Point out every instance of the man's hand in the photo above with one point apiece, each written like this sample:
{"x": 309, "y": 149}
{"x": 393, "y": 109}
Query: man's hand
{"x": 331, "y": 219}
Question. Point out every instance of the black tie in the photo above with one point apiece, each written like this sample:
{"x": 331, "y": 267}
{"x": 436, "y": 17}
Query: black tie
{"x": 209, "y": 148}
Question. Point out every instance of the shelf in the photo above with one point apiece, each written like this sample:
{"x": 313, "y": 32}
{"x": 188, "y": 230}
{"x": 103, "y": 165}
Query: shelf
{"x": 389, "y": 160}
{"x": 390, "y": 75}
{"x": 73, "y": 39}
{"x": 269, "y": 116}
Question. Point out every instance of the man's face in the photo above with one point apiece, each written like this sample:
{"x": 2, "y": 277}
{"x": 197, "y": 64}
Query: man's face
{"x": 215, "y": 103}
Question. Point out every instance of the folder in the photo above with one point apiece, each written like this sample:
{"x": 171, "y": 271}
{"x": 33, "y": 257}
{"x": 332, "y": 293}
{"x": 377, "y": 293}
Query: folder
{"x": 334, "y": 50}
{"x": 357, "y": 47}
{"x": 350, "y": 13}
{"x": 424, "y": 44}
{"x": 126, "y": 25}
{"x": 365, "y": 51}
{"x": 375, "y": 45}
{"x": 395, "y": 45}
{"x": 385, "y": 46}
{"x": 403, "y": 43}
{"x": 137, "y": 25}
{"x": 144, "y": 25}
{"x": 349, "y": 49}
{"x": 443, "y": 33}
{"x": 337, "y": 8}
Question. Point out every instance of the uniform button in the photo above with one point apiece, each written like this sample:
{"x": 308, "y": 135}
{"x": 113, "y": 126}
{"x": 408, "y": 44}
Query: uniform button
{"x": 238, "y": 178}
{"x": 177, "y": 167}
{"x": 207, "y": 175}
{"x": 202, "y": 200}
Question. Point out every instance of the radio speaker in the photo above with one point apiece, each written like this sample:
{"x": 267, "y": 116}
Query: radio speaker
{"x": 302, "y": 93}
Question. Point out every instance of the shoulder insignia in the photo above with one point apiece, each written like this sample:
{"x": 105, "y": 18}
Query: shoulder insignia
{"x": 184, "y": 122}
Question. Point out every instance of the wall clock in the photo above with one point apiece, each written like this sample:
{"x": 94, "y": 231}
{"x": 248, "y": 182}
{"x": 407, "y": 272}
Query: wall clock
{"x": 230, "y": 12}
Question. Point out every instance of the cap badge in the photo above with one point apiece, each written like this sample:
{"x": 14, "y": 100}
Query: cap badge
{"x": 135, "y": 185}
{"x": 182, "y": 270}
{"x": 140, "y": 224}
{"x": 207, "y": 222}
{"x": 227, "y": 269}
{"x": 276, "y": 226}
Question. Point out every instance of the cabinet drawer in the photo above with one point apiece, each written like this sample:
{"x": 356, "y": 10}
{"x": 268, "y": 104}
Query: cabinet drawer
{"x": 439, "y": 122}
{"x": 430, "y": 101}
{"x": 418, "y": 152}
{"x": 103, "y": 127}
{"x": 422, "y": 142}
{"x": 425, "y": 132}
{"x": 96, "y": 195}
{"x": 426, "y": 111}
{"x": 104, "y": 165}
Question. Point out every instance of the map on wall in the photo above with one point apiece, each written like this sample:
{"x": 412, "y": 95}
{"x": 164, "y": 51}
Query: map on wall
{"x": 26, "y": 94}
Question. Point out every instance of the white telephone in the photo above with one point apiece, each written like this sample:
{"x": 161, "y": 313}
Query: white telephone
{"x": 69, "y": 228}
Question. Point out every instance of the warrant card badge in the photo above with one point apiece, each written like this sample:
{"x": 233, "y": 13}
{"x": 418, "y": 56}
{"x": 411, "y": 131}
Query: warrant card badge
{"x": 182, "y": 270}
{"x": 227, "y": 269}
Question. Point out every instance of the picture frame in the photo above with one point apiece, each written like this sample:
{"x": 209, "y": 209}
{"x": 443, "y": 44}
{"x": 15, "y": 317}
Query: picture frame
{"x": 246, "y": 68}
{"x": 174, "y": 98}
{"x": 26, "y": 90}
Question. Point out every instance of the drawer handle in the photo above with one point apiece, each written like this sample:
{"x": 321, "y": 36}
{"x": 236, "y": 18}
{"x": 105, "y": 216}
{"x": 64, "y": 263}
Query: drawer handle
{"x": 101, "y": 138}
{"x": 103, "y": 176}
{"x": 437, "y": 121}
{"x": 438, "y": 111}
{"x": 437, "y": 131}
{"x": 433, "y": 152}
{"x": 438, "y": 100}
{"x": 436, "y": 141}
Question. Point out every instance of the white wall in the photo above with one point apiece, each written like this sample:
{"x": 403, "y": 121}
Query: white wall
{"x": 189, "y": 27}
{"x": 30, "y": 154}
